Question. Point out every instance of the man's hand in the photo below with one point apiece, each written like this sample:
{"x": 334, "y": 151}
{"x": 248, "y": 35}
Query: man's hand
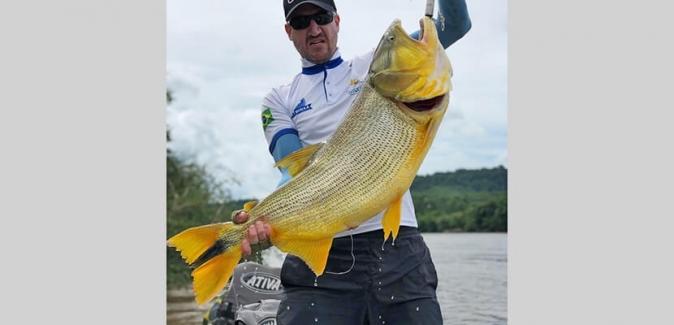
{"x": 258, "y": 234}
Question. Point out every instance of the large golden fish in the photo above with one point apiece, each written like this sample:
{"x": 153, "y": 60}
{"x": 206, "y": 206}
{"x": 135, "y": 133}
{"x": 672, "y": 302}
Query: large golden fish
{"x": 365, "y": 167}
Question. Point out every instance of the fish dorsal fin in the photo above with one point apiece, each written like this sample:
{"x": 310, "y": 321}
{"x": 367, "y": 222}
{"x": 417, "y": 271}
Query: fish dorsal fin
{"x": 314, "y": 252}
{"x": 298, "y": 160}
{"x": 391, "y": 219}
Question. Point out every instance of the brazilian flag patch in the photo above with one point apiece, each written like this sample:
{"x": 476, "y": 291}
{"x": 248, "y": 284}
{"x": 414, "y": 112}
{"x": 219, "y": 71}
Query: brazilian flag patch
{"x": 266, "y": 118}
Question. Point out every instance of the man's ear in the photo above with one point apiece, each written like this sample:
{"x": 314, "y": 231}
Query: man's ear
{"x": 288, "y": 30}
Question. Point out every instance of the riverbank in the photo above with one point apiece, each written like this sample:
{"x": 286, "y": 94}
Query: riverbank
{"x": 182, "y": 309}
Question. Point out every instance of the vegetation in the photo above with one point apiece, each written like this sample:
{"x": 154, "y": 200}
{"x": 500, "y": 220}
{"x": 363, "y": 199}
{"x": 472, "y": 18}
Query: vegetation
{"x": 462, "y": 201}
{"x": 193, "y": 198}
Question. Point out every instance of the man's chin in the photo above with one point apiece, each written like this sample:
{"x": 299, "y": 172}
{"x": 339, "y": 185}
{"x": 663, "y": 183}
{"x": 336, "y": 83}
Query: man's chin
{"x": 319, "y": 58}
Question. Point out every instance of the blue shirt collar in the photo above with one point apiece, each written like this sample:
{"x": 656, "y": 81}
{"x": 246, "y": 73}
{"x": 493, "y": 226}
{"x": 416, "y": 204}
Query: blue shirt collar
{"x": 310, "y": 68}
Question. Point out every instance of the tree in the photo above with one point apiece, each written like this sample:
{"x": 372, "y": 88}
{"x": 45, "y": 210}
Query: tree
{"x": 193, "y": 198}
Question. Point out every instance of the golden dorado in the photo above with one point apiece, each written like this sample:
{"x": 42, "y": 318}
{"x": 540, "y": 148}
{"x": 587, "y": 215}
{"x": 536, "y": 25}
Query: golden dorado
{"x": 364, "y": 168}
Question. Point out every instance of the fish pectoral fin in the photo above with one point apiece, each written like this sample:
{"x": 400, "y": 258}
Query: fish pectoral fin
{"x": 212, "y": 276}
{"x": 391, "y": 219}
{"x": 298, "y": 160}
{"x": 314, "y": 252}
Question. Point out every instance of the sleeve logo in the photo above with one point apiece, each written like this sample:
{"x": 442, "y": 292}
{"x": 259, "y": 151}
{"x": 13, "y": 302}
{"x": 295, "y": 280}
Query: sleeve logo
{"x": 266, "y": 118}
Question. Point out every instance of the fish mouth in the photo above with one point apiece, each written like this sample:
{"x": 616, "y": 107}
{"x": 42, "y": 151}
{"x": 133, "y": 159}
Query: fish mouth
{"x": 422, "y": 35}
{"x": 424, "y": 105}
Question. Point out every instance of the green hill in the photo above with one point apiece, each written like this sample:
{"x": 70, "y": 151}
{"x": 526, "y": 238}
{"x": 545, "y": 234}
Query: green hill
{"x": 462, "y": 201}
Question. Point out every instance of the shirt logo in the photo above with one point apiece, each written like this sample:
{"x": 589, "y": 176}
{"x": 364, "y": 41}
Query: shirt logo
{"x": 356, "y": 84}
{"x": 300, "y": 108}
{"x": 266, "y": 118}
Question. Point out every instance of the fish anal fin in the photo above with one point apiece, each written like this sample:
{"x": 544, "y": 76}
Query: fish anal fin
{"x": 391, "y": 219}
{"x": 314, "y": 252}
{"x": 298, "y": 160}
{"x": 193, "y": 242}
{"x": 212, "y": 276}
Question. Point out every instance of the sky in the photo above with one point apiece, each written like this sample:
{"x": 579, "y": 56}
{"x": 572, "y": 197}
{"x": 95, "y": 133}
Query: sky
{"x": 222, "y": 57}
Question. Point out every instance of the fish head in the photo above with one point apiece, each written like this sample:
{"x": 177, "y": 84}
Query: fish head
{"x": 415, "y": 74}
{"x": 412, "y": 70}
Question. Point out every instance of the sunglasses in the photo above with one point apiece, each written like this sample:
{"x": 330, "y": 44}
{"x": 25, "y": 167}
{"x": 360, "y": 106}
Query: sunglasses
{"x": 321, "y": 18}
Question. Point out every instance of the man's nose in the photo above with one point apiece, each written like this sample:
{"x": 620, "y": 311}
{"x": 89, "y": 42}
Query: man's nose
{"x": 314, "y": 29}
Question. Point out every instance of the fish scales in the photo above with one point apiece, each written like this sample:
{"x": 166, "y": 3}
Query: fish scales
{"x": 367, "y": 157}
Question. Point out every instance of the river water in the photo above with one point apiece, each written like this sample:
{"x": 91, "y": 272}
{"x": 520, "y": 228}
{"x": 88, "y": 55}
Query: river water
{"x": 472, "y": 288}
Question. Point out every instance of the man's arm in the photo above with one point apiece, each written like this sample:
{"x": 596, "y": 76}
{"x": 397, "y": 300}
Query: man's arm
{"x": 452, "y": 22}
{"x": 285, "y": 145}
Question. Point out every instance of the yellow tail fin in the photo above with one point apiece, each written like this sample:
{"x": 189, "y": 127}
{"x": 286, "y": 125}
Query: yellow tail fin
{"x": 212, "y": 276}
{"x": 193, "y": 242}
{"x": 215, "y": 258}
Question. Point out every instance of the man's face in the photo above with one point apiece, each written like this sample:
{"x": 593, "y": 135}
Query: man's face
{"x": 315, "y": 43}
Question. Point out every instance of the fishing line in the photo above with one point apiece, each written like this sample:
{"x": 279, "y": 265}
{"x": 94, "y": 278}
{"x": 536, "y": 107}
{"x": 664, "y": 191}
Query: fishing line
{"x": 353, "y": 261}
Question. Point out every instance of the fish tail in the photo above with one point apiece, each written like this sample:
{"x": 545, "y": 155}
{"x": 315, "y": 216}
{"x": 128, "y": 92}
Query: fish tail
{"x": 214, "y": 256}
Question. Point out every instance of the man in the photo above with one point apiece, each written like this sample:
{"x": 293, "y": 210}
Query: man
{"x": 366, "y": 280}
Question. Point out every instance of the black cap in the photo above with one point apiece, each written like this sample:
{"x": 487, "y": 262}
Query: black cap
{"x": 290, "y": 5}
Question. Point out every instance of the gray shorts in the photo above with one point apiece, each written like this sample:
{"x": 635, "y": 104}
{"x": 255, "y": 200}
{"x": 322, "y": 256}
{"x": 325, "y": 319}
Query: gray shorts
{"x": 392, "y": 286}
